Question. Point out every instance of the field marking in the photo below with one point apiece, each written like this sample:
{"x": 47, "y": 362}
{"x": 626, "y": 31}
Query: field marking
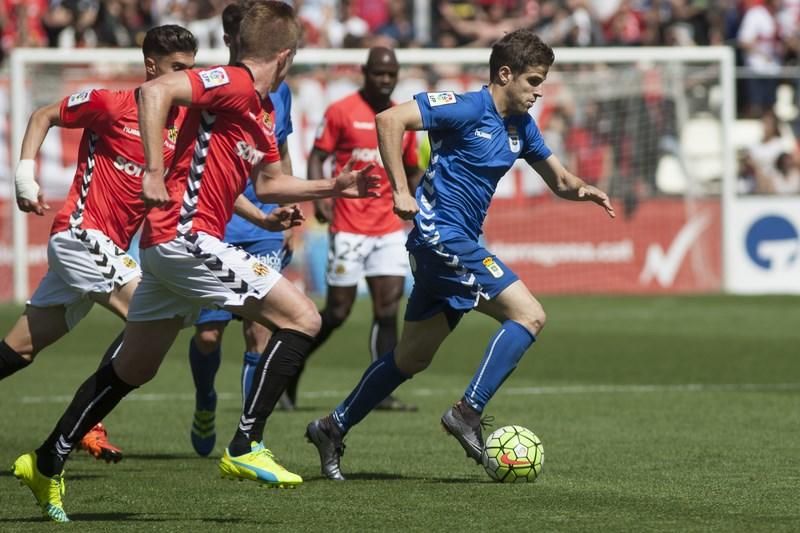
{"x": 513, "y": 391}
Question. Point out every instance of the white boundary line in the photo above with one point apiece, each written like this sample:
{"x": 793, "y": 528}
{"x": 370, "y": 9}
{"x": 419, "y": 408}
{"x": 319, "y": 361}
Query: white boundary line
{"x": 511, "y": 391}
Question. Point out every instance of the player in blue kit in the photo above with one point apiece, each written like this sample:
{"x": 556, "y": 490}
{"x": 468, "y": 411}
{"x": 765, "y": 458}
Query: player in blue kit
{"x": 475, "y": 138}
{"x": 270, "y": 246}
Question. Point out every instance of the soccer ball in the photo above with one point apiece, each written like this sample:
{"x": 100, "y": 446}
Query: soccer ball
{"x": 513, "y": 454}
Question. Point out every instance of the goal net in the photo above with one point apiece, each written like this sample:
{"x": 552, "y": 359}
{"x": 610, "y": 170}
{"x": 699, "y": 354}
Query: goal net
{"x": 647, "y": 125}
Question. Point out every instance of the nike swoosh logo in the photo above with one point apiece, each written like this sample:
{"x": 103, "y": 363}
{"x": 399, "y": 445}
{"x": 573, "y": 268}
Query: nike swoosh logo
{"x": 506, "y": 460}
{"x": 663, "y": 265}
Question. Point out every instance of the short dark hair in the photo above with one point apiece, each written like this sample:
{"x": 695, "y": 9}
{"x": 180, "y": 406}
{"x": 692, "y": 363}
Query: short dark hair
{"x": 168, "y": 39}
{"x": 232, "y": 16}
{"x": 518, "y": 51}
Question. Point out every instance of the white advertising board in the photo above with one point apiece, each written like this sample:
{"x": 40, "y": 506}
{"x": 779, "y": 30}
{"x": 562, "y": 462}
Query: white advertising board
{"x": 762, "y": 248}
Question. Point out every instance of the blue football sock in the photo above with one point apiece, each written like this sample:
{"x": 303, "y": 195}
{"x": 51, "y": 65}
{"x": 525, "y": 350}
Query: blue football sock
{"x": 380, "y": 379}
{"x": 249, "y": 365}
{"x": 502, "y": 355}
{"x": 204, "y": 369}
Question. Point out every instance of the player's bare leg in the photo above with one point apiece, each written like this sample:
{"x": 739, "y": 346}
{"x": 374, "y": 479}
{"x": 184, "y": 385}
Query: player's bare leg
{"x": 143, "y": 349}
{"x": 419, "y": 342}
{"x": 518, "y": 304}
{"x": 39, "y": 327}
{"x": 386, "y": 292}
{"x": 36, "y": 329}
{"x": 338, "y": 304}
{"x": 118, "y": 300}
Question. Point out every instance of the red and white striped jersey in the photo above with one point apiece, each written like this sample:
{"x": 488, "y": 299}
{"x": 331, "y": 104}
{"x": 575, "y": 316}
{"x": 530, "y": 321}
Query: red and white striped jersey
{"x": 227, "y": 131}
{"x": 105, "y": 193}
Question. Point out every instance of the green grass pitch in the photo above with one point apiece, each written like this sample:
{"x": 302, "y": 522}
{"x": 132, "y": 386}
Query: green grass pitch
{"x": 657, "y": 414}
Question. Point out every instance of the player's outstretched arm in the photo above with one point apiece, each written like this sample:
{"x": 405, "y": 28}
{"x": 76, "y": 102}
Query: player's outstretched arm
{"x": 273, "y": 186}
{"x": 154, "y": 101}
{"x": 279, "y": 219}
{"x": 569, "y": 186}
{"x": 392, "y": 125}
{"x": 29, "y": 195}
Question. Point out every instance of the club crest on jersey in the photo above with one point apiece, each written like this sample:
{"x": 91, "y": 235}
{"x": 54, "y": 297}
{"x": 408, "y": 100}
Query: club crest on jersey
{"x": 493, "y": 268}
{"x": 214, "y": 77}
{"x": 442, "y": 98}
{"x": 172, "y": 134}
{"x": 128, "y": 261}
{"x": 513, "y": 139}
{"x": 78, "y": 98}
{"x": 260, "y": 269}
{"x": 269, "y": 125}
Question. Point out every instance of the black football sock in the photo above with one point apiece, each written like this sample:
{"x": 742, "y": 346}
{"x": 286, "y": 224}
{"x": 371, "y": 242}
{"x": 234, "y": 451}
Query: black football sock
{"x": 382, "y": 336}
{"x": 94, "y": 400}
{"x": 329, "y": 324}
{"x": 10, "y": 360}
{"x": 282, "y": 359}
{"x": 112, "y": 350}
{"x": 291, "y": 387}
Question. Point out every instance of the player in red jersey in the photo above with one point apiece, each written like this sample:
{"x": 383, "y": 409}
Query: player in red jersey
{"x": 87, "y": 263}
{"x": 227, "y": 135}
{"x": 366, "y": 238}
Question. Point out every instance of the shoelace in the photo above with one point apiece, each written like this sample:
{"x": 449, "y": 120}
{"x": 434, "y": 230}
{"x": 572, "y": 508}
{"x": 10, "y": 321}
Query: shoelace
{"x": 338, "y": 446}
{"x": 58, "y": 485}
{"x": 334, "y": 435}
{"x": 486, "y": 421}
{"x": 268, "y": 453}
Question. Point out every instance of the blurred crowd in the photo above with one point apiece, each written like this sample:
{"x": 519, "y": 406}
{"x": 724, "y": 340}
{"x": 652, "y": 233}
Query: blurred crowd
{"x": 765, "y": 34}
{"x": 360, "y": 23}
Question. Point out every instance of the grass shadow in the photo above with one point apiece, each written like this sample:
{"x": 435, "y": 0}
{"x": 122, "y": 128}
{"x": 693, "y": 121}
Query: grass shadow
{"x": 147, "y": 517}
{"x": 383, "y": 476}
{"x": 130, "y": 517}
{"x": 156, "y": 456}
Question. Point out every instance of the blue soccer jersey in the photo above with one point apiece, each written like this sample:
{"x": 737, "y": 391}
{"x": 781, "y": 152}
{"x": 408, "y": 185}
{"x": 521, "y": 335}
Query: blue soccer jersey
{"x": 239, "y": 230}
{"x": 472, "y": 147}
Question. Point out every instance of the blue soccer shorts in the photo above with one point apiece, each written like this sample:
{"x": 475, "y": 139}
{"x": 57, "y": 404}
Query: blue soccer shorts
{"x": 271, "y": 252}
{"x": 452, "y": 277}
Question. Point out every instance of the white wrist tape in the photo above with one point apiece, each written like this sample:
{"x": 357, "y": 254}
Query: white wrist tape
{"x": 27, "y": 188}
